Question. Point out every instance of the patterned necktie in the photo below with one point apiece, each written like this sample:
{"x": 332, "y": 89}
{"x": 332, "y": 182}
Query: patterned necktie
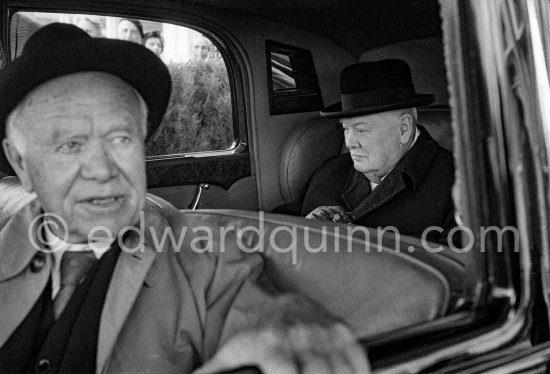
{"x": 74, "y": 265}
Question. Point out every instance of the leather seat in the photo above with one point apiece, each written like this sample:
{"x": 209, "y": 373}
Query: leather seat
{"x": 375, "y": 285}
{"x": 310, "y": 144}
{"x": 306, "y": 148}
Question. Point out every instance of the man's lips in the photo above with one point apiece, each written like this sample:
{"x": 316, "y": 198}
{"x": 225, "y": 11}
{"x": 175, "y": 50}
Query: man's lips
{"x": 102, "y": 200}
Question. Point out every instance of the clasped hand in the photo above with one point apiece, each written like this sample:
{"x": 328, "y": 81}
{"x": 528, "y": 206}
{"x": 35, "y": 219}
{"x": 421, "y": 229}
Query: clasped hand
{"x": 331, "y": 213}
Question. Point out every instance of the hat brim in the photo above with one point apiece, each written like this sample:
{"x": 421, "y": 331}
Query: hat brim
{"x": 335, "y": 110}
{"x": 131, "y": 62}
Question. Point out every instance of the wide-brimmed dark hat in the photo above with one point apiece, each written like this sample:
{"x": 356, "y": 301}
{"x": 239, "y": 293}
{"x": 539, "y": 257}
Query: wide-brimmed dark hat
{"x": 59, "y": 49}
{"x": 374, "y": 87}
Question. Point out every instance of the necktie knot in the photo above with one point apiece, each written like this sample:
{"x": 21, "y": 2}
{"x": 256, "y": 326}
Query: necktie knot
{"x": 74, "y": 265}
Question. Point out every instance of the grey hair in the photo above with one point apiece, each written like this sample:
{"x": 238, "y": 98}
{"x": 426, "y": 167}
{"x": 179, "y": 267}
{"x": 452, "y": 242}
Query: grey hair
{"x": 15, "y": 135}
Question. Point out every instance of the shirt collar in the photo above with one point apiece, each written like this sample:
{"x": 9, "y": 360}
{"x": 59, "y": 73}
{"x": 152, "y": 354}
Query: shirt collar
{"x": 57, "y": 246}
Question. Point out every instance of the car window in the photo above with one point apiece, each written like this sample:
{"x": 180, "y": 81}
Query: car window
{"x": 199, "y": 117}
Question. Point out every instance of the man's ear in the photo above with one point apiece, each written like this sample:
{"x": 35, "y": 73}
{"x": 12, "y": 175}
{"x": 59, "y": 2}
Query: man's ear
{"x": 406, "y": 127}
{"x": 18, "y": 163}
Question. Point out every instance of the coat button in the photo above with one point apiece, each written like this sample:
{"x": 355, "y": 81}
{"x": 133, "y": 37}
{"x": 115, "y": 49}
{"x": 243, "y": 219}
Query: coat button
{"x": 38, "y": 262}
{"x": 44, "y": 364}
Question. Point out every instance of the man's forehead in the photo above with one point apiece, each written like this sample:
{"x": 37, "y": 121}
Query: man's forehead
{"x": 81, "y": 83}
{"x": 89, "y": 79}
{"x": 368, "y": 118}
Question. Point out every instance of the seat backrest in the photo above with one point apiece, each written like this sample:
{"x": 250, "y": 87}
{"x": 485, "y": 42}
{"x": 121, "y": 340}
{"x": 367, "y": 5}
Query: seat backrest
{"x": 313, "y": 142}
{"x": 375, "y": 285}
{"x": 306, "y": 148}
{"x": 437, "y": 120}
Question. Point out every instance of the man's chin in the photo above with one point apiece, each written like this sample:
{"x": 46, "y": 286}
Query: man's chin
{"x": 362, "y": 168}
{"x": 104, "y": 229}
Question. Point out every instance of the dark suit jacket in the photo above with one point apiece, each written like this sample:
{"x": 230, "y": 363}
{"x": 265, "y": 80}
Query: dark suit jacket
{"x": 415, "y": 195}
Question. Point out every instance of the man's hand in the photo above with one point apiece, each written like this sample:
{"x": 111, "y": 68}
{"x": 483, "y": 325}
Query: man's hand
{"x": 302, "y": 348}
{"x": 331, "y": 213}
{"x": 291, "y": 335}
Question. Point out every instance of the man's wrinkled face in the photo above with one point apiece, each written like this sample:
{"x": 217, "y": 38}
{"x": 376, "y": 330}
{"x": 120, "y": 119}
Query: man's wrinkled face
{"x": 128, "y": 31}
{"x": 84, "y": 153}
{"x": 374, "y": 142}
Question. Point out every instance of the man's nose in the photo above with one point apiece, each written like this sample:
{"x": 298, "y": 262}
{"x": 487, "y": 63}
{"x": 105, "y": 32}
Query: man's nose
{"x": 351, "y": 140}
{"x": 99, "y": 165}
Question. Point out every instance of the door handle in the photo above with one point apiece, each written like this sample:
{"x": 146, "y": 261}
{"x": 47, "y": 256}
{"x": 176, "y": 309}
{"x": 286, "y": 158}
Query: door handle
{"x": 195, "y": 203}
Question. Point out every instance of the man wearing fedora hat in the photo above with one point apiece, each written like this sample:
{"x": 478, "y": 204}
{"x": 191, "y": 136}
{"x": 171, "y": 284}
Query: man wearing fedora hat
{"x": 395, "y": 174}
{"x": 74, "y": 115}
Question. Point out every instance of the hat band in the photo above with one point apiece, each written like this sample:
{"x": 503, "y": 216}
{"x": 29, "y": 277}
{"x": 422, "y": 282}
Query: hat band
{"x": 359, "y": 100}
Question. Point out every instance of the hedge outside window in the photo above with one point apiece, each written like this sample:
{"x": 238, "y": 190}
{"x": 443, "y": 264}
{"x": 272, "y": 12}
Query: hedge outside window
{"x": 199, "y": 117}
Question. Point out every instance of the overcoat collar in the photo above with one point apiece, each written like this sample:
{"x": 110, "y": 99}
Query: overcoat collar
{"x": 407, "y": 174}
{"x": 19, "y": 241}
{"x": 133, "y": 270}
{"x": 131, "y": 273}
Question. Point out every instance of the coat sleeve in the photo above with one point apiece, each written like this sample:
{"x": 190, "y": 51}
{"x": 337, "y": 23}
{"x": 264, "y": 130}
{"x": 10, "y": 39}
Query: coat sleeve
{"x": 327, "y": 184}
{"x": 230, "y": 289}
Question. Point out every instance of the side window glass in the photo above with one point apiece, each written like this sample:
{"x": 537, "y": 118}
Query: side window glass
{"x": 199, "y": 117}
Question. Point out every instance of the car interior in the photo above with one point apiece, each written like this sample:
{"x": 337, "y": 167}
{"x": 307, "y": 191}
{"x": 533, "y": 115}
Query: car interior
{"x": 242, "y": 137}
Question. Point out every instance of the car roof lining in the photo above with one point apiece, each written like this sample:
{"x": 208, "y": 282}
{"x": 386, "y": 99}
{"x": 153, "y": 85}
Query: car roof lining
{"x": 381, "y": 22}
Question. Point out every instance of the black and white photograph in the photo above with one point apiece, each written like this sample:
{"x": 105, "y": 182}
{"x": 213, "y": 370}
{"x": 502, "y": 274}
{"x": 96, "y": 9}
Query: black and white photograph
{"x": 274, "y": 186}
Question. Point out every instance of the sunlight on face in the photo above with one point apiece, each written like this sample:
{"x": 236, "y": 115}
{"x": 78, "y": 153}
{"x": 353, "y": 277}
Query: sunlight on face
{"x": 85, "y": 157}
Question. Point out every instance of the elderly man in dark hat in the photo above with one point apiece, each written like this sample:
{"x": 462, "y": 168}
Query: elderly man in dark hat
{"x": 395, "y": 174}
{"x": 74, "y": 116}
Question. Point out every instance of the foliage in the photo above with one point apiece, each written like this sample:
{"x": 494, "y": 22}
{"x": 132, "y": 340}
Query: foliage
{"x": 199, "y": 116}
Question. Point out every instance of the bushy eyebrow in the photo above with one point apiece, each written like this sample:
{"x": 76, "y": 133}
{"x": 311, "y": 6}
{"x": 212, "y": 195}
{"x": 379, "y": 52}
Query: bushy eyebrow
{"x": 61, "y": 133}
{"x": 354, "y": 124}
{"x": 65, "y": 132}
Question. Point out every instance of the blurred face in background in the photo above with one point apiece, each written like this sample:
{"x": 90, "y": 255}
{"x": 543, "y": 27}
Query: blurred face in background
{"x": 128, "y": 31}
{"x": 154, "y": 44}
{"x": 201, "y": 48}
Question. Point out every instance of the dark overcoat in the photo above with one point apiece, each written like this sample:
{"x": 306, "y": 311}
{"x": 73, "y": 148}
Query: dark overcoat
{"x": 414, "y": 196}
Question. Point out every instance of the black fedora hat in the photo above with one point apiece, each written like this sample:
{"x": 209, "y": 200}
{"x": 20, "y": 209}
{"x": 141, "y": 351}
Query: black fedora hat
{"x": 59, "y": 49}
{"x": 374, "y": 87}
